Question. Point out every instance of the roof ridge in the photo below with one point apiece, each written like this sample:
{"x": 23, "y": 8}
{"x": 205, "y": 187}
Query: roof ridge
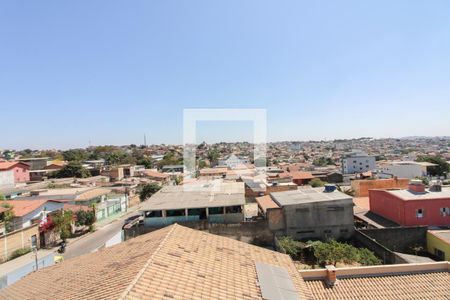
{"x": 147, "y": 264}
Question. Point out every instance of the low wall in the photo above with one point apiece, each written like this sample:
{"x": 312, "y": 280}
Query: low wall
{"x": 17, "y": 240}
{"x": 255, "y": 233}
{"x": 399, "y": 239}
{"x": 386, "y": 255}
{"x": 362, "y": 187}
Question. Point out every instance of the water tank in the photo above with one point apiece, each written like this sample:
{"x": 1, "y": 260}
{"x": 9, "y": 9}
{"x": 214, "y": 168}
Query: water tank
{"x": 329, "y": 188}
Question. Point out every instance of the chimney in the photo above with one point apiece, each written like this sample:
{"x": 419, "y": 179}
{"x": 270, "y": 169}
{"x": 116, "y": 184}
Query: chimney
{"x": 331, "y": 279}
{"x": 416, "y": 186}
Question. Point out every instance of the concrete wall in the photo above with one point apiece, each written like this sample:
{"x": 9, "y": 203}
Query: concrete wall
{"x": 387, "y": 256}
{"x": 15, "y": 275}
{"x": 362, "y": 187}
{"x": 250, "y": 232}
{"x": 6, "y": 179}
{"x": 17, "y": 240}
{"x": 322, "y": 219}
{"x": 399, "y": 239}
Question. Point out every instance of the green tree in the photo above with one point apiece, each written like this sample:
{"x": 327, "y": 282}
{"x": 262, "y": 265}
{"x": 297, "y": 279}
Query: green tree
{"x": 442, "y": 167}
{"x": 75, "y": 155}
{"x": 201, "y": 164}
{"x": 323, "y": 161}
{"x": 72, "y": 169}
{"x": 289, "y": 245}
{"x": 333, "y": 252}
{"x": 148, "y": 190}
{"x": 147, "y": 162}
{"x": 8, "y": 216}
{"x": 213, "y": 156}
{"x": 316, "y": 182}
{"x": 62, "y": 221}
{"x": 367, "y": 258}
{"x": 85, "y": 218}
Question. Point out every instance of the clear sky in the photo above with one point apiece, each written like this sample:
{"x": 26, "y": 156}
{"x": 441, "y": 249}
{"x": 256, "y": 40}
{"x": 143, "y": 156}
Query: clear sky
{"x": 109, "y": 71}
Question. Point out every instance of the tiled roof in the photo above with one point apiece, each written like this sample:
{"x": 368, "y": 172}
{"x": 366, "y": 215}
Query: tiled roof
{"x": 171, "y": 263}
{"x": 266, "y": 202}
{"x": 6, "y": 165}
{"x": 156, "y": 174}
{"x": 301, "y": 175}
{"x": 24, "y": 207}
{"x": 93, "y": 193}
{"x": 75, "y": 208}
{"x": 407, "y": 281}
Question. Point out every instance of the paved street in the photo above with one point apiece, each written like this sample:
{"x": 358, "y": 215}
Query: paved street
{"x": 95, "y": 240}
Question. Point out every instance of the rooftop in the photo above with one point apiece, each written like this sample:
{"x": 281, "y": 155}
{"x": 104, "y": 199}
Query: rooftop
{"x": 200, "y": 194}
{"x": 171, "y": 263}
{"x": 307, "y": 195}
{"x": 6, "y": 165}
{"x": 406, "y": 281}
{"x": 24, "y": 207}
{"x": 410, "y": 195}
{"x": 266, "y": 202}
{"x": 442, "y": 234}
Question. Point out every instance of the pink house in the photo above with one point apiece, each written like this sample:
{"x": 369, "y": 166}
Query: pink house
{"x": 21, "y": 170}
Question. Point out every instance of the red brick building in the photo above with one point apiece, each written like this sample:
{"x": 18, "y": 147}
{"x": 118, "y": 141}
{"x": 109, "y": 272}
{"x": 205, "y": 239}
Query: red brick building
{"x": 21, "y": 170}
{"x": 413, "y": 206}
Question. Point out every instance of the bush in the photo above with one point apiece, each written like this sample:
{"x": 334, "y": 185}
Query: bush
{"x": 85, "y": 218}
{"x": 316, "y": 182}
{"x": 148, "y": 190}
{"x": 334, "y": 252}
{"x": 19, "y": 252}
{"x": 289, "y": 245}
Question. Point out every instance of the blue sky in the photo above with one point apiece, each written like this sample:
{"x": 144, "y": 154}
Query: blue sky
{"x": 109, "y": 71}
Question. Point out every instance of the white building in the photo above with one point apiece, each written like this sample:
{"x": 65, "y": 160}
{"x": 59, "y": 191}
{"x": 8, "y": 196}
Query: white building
{"x": 404, "y": 169}
{"x": 357, "y": 162}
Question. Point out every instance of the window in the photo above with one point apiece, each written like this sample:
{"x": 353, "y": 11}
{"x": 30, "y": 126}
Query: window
{"x": 153, "y": 214}
{"x": 419, "y": 213}
{"x": 344, "y": 230}
{"x": 327, "y": 231}
{"x": 175, "y": 213}
{"x": 215, "y": 210}
{"x": 233, "y": 209}
{"x": 439, "y": 254}
{"x": 305, "y": 231}
{"x": 445, "y": 211}
{"x": 335, "y": 208}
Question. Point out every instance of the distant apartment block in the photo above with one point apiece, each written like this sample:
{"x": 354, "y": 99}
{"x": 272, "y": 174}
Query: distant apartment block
{"x": 413, "y": 206}
{"x": 404, "y": 169}
{"x": 357, "y": 162}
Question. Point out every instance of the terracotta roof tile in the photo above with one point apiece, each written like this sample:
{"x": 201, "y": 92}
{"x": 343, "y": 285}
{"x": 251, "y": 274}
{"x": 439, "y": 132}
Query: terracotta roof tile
{"x": 24, "y": 207}
{"x": 171, "y": 263}
{"x": 266, "y": 202}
